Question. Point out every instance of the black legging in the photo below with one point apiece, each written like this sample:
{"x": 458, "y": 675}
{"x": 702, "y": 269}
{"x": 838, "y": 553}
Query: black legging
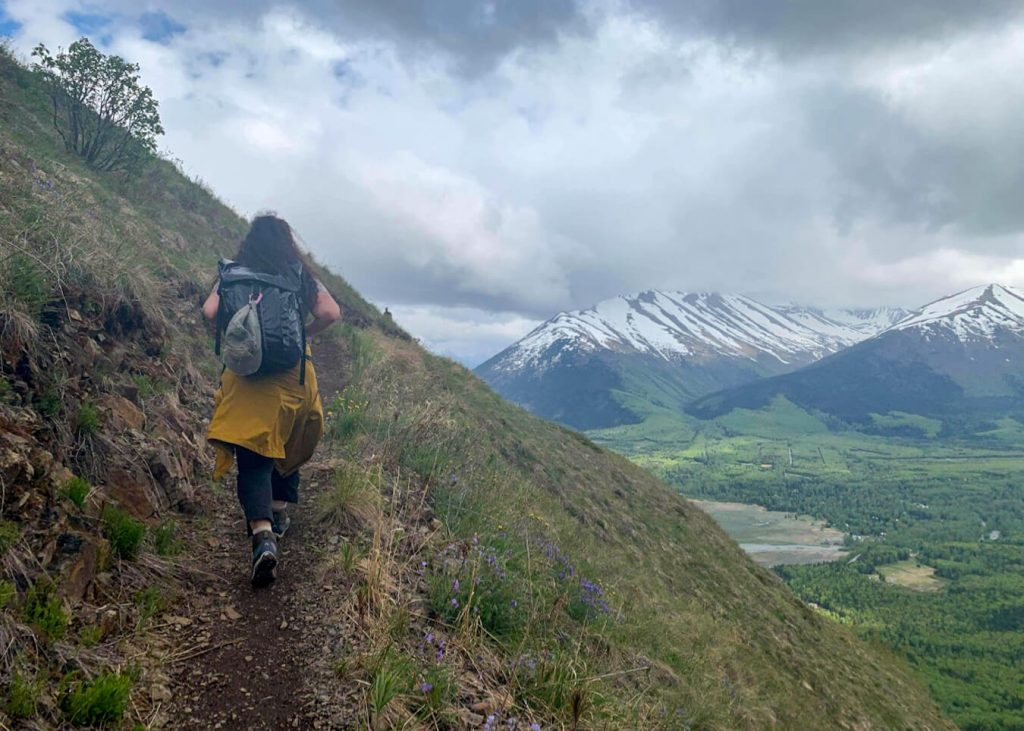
{"x": 259, "y": 484}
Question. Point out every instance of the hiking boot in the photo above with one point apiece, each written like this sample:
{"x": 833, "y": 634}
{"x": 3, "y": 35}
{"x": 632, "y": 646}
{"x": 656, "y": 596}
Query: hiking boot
{"x": 264, "y": 558}
{"x": 281, "y": 523}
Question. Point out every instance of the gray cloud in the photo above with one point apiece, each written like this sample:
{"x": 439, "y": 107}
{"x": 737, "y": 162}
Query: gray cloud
{"x": 794, "y": 27}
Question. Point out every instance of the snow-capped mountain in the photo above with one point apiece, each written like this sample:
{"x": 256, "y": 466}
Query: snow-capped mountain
{"x": 958, "y": 360}
{"x": 663, "y": 349}
{"x": 978, "y": 314}
{"x": 695, "y": 326}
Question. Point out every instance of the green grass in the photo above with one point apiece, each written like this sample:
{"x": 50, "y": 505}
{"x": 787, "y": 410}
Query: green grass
{"x": 97, "y": 702}
{"x": 560, "y": 512}
{"x": 165, "y": 540}
{"x": 7, "y": 593}
{"x": 149, "y": 387}
{"x": 353, "y": 501}
{"x": 10, "y": 532}
{"x": 77, "y": 490}
{"x": 44, "y": 612}
{"x": 924, "y": 426}
{"x": 912, "y": 575}
{"x": 87, "y": 420}
{"x": 151, "y": 601}
{"x": 27, "y": 284}
{"x": 124, "y": 532}
{"x": 23, "y": 696}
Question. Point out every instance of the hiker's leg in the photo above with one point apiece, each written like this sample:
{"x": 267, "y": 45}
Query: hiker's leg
{"x": 285, "y": 489}
{"x": 255, "y": 491}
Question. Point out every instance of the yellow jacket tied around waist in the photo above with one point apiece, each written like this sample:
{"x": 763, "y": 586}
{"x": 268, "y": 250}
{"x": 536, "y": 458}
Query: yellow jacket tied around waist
{"x": 272, "y": 415}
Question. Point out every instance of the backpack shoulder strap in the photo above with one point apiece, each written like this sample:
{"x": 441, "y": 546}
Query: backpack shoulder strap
{"x": 218, "y": 322}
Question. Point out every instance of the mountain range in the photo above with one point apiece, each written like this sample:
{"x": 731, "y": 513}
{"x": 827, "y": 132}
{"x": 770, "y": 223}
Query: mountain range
{"x": 615, "y": 362}
{"x": 957, "y": 360}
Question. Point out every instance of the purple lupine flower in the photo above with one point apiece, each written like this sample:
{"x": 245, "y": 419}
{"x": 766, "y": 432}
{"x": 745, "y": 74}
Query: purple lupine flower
{"x": 455, "y": 602}
{"x": 534, "y": 726}
{"x": 489, "y": 723}
{"x": 455, "y": 586}
{"x": 426, "y": 687}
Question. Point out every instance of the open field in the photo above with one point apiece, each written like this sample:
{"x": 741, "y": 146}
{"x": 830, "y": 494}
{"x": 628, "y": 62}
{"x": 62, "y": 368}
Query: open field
{"x": 773, "y": 538}
{"x": 912, "y": 575}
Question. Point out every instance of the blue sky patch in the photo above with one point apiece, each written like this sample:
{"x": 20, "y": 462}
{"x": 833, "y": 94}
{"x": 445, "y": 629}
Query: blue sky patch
{"x": 159, "y": 27}
{"x": 87, "y": 23}
{"x": 8, "y": 25}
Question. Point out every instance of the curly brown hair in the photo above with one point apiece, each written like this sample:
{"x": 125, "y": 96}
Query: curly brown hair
{"x": 270, "y": 247}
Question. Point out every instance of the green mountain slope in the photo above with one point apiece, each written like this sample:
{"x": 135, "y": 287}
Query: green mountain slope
{"x": 605, "y": 599}
{"x": 958, "y": 362}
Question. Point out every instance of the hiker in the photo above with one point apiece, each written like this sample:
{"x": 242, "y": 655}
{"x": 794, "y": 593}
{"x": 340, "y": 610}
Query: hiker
{"x": 267, "y": 412}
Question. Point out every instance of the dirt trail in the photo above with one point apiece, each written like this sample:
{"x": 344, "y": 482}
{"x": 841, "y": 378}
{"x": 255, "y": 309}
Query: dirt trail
{"x": 258, "y": 659}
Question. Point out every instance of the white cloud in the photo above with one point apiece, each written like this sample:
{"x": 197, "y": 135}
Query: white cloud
{"x": 630, "y": 156}
{"x": 466, "y": 334}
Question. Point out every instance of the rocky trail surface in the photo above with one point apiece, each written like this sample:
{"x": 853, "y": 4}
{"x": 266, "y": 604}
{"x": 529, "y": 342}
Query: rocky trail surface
{"x": 250, "y": 655}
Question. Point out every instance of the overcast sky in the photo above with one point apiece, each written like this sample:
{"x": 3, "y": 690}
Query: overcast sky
{"x": 479, "y": 166}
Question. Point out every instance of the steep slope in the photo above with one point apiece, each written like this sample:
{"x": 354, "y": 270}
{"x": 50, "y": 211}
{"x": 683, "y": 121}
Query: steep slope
{"x": 608, "y": 364}
{"x": 471, "y": 560}
{"x": 959, "y": 359}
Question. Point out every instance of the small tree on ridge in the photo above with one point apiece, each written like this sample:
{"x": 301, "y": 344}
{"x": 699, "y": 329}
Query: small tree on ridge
{"x": 100, "y": 109}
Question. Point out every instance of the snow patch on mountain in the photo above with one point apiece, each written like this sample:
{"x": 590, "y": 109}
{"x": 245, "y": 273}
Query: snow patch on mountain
{"x": 980, "y": 313}
{"x": 696, "y": 326}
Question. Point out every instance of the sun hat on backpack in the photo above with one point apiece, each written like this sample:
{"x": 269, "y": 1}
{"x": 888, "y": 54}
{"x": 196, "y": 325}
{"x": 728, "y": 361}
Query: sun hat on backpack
{"x": 242, "y": 345}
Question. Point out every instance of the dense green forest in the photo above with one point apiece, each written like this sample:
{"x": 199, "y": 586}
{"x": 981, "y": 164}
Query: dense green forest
{"x": 935, "y": 530}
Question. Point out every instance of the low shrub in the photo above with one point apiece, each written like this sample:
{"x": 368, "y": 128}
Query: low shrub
{"x": 148, "y": 386}
{"x": 87, "y": 421}
{"x": 165, "y": 540}
{"x": 27, "y": 284}
{"x": 9, "y": 535}
{"x": 77, "y": 490}
{"x": 23, "y": 696}
{"x": 151, "y": 602}
{"x": 50, "y": 404}
{"x": 90, "y": 635}
{"x": 436, "y": 691}
{"x": 44, "y": 611}
{"x": 352, "y": 503}
{"x": 345, "y": 415}
{"x": 392, "y": 674}
{"x": 99, "y": 701}
{"x": 7, "y": 593}
{"x": 124, "y": 532}
{"x": 479, "y": 587}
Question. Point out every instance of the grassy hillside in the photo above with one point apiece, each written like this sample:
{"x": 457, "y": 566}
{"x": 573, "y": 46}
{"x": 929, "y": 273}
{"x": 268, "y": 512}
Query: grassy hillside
{"x": 920, "y": 512}
{"x": 586, "y": 592}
